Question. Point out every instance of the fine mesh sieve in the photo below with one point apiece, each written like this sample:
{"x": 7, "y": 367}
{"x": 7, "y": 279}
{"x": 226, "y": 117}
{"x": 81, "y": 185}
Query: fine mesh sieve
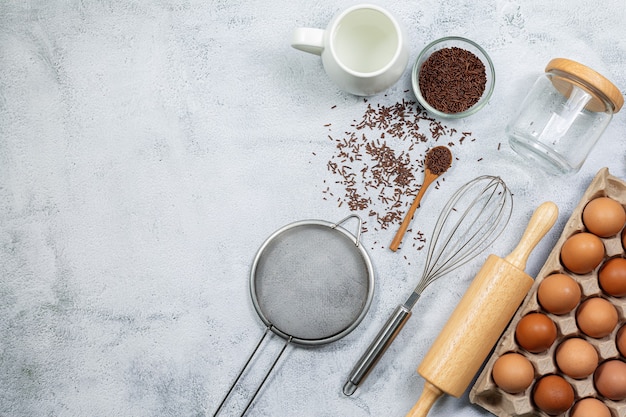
{"x": 311, "y": 283}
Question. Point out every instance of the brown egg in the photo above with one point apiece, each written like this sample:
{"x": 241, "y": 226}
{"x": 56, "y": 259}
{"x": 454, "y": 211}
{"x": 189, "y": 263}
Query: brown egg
{"x": 535, "y": 332}
{"x": 604, "y": 216}
{"x": 513, "y": 373}
{"x": 612, "y": 277}
{"x": 590, "y": 407}
{"x": 624, "y": 238}
{"x": 596, "y": 317}
{"x": 582, "y": 252}
{"x": 553, "y": 395}
{"x": 620, "y": 340}
{"x": 558, "y": 294}
{"x": 610, "y": 380}
{"x": 576, "y": 358}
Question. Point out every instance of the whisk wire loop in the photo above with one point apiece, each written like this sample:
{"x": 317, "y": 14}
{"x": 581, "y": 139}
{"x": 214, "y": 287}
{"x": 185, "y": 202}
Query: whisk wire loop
{"x": 480, "y": 221}
{"x": 485, "y": 225}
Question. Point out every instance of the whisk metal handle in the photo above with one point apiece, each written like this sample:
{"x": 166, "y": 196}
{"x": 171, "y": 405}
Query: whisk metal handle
{"x": 377, "y": 348}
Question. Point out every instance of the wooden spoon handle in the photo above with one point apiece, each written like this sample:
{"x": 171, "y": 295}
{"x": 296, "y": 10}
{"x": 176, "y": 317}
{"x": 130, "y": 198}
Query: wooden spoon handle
{"x": 429, "y": 177}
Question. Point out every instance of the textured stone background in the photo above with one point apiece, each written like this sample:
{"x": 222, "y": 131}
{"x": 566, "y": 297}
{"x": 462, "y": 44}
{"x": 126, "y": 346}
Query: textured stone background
{"x": 148, "y": 148}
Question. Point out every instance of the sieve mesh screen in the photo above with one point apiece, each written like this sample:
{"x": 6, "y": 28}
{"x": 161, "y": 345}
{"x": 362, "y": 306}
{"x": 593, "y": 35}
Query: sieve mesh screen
{"x": 310, "y": 282}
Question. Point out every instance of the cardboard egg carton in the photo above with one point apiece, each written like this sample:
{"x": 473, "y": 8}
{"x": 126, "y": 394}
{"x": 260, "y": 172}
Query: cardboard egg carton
{"x": 485, "y": 393}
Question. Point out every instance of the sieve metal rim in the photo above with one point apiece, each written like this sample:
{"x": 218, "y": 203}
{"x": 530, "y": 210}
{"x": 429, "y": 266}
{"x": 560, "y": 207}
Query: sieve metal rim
{"x": 334, "y": 227}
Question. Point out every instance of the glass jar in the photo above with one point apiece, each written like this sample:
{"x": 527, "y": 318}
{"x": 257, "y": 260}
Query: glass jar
{"x": 563, "y": 116}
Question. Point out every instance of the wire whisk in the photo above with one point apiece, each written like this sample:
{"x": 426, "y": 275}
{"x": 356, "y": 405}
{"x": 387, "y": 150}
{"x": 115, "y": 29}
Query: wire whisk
{"x": 473, "y": 218}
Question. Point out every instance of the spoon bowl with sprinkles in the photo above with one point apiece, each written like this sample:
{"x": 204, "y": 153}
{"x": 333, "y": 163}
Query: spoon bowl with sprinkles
{"x": 438, "y": 160}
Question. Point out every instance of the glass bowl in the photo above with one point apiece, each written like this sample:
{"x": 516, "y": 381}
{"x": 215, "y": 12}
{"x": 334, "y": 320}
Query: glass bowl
{"x": 462, "y": 43}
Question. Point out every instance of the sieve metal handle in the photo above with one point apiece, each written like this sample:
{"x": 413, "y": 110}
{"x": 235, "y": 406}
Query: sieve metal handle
{"x": 358, "y": 231}
{"x": 377, "y": 348}
{"x": 258, "y": 388}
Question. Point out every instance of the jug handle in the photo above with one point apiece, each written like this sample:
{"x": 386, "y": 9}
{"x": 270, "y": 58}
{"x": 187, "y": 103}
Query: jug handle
{"x": 309, "y": 40}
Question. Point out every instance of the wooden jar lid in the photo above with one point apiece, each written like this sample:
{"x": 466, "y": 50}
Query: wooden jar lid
{"x": 587, "y": 79}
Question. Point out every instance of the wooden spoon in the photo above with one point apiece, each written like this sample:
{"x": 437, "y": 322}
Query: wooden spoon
{"x": 438, "y": 160}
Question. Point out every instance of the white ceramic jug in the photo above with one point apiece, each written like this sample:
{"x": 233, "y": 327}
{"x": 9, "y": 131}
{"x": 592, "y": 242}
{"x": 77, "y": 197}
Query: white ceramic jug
{"x": 364, "y": 49}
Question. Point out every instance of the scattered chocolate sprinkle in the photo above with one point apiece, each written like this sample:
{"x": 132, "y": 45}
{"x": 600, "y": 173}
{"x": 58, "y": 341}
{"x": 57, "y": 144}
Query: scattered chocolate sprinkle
{"x": 452, "y": 79}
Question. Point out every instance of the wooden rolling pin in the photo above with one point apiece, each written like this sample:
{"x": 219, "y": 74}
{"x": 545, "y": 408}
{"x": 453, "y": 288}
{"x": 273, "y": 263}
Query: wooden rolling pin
{"x": 480, "y": 318}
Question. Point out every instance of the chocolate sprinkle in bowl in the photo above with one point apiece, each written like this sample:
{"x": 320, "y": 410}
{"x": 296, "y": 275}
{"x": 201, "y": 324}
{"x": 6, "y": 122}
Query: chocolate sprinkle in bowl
{"x": 453, "y": 77}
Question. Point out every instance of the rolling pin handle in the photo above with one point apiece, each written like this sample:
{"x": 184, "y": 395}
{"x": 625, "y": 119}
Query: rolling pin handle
{"x": 429, "y": 396}
{"x": 377, "y": 348}
{"x": 540, "y": 223}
